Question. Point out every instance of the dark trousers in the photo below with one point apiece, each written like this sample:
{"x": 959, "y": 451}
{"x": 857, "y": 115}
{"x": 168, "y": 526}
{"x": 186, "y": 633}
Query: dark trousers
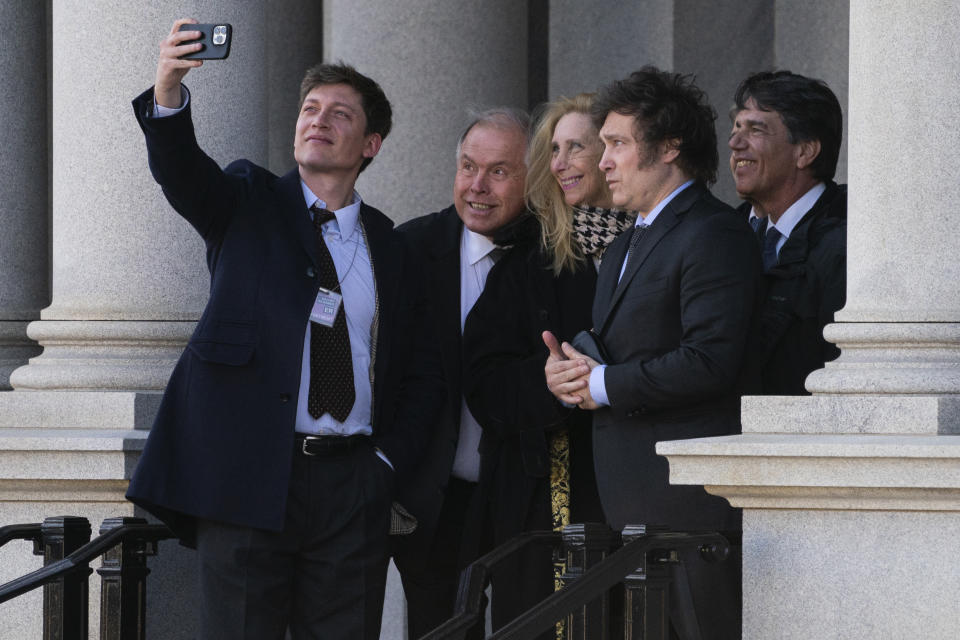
{"x": 430, "y": 580}
{"x": 323, "y": 575}
{"x": 524, "y": 579}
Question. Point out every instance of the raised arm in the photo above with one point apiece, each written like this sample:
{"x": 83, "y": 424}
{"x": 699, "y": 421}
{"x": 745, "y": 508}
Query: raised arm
{"x": 171, "y": 68}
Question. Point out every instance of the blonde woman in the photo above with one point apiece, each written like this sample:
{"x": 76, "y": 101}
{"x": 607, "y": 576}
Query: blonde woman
{"x": 537, "y": 461}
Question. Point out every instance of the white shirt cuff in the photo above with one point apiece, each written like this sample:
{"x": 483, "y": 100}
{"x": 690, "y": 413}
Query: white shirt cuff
{"x": 160, "y": 111}
{"x": 598, "y": 386}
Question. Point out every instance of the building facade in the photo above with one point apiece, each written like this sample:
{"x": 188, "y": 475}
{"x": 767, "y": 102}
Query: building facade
{"x": 102, "y": 283}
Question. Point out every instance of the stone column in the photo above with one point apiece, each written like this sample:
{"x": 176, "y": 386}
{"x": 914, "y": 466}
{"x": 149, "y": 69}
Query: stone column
{"x": 24, "y": 180}
{"x": 812, "y": 39}
{"x": 129, "y": 278}
{"x": 434, "y": 59}
{"x": 592, "y": 44}
{"x": 851, "y": 496}
{"x": 294, "y": 44}
{"x": 721, "y": 43}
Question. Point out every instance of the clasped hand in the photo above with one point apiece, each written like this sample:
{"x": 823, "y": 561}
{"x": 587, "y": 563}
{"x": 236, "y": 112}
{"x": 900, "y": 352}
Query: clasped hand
{"x": 568, "y": 373}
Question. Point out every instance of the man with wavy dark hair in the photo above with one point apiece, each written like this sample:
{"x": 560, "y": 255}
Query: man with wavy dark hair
{"x": 784, "y": 145}
{"x": 674, "y": 306}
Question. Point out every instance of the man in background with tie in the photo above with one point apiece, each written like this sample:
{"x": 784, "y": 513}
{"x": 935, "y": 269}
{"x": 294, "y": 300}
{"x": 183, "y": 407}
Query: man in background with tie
{"x": 458, "y": 246}
{"x": 784, "y": 146}
{"x": 674, "y": 306}
{"x": 302, "y": 396}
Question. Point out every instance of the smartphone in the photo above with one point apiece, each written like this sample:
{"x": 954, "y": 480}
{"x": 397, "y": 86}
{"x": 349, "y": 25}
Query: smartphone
{"x": 215, "y": 39}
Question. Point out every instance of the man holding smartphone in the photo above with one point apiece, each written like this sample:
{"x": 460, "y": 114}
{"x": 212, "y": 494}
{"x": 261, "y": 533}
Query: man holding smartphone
{"x": 300, "y": 397}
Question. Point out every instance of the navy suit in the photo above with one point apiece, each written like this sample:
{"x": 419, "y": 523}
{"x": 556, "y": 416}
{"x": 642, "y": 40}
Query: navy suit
{"x": 220, "y": 448}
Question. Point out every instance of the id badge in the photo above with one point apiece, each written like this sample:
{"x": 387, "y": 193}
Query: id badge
{"x": 325, "y": 307}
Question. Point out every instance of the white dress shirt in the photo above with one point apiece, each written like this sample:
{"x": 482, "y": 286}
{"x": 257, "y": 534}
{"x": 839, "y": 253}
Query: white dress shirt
{"x": 475, "y": 264}
{"x": 795, "y": 212}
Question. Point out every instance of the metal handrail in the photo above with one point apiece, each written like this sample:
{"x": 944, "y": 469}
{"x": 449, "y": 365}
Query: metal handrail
{"x": 20, "y": 532}
{"x": 474, "y": 580}
{"x": 592, "y": 584}
{"x": 81, "y": 558}
{"x": 602, "y": 577}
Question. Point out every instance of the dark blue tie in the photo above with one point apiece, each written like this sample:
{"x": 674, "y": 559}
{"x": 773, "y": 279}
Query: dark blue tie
{"x": 770, "y": 241}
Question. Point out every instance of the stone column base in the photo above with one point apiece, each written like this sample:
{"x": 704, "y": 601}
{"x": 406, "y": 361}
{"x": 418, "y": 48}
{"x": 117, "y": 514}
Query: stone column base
{"x": 15, "y": 349}
{"x": 95, "y": 355}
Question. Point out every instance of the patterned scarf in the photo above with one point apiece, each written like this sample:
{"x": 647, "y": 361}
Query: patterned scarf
{"x": 595, "y": 228}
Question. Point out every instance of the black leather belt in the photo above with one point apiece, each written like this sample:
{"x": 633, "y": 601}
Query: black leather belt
{"x": 328, "y": 445}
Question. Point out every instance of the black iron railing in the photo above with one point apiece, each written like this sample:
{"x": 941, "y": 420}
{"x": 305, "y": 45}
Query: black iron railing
{"x": 21, "y": 532}
{"x": 642, "y": 559}
{"x": 598, "y": 559}
{"x": 64, "y": 542}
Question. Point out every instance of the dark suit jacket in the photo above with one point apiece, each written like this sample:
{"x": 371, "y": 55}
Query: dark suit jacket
{"x": 801, "y": 293}
{"x": 507, "y": 392}
{"x": 221, "y": 445}
{"x": 436, "y": 239}
{"x": 675, "y": 328}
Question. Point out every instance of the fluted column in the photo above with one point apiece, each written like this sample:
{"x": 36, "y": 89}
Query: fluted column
{"x": 434, "y": 59}
{"x": 24, "y": 180}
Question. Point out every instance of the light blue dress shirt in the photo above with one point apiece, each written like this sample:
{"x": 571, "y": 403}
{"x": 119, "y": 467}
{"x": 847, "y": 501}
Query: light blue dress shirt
{"x": 348, "y": 248}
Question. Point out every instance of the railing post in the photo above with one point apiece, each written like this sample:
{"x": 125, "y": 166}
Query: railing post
{"x": 123, "y": 584}
{"x": 647, "y": 591}
{"x": 587, "y": 545}
{"x": 66, "y": 599}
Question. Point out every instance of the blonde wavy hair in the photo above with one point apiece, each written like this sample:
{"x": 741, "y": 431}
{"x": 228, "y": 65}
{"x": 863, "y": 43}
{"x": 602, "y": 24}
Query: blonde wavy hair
{"x": 543, "y": 193}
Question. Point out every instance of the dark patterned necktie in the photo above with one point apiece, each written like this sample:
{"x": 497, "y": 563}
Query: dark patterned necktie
{"x": 331, "y": 363}
{"x": 635, "y": 237}
{"x": 770, "y": 241}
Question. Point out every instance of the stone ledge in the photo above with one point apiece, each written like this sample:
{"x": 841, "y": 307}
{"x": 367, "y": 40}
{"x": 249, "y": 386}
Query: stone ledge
{"x": 75, "y": 455}
{"x": 844, "y": 414}
{"x": 78, "y": 409}
{"x": 772, "y": 471}
{"x": 72, "y": 490}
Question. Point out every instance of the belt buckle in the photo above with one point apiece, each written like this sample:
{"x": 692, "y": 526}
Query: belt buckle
{"x": 303, "y": 446}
